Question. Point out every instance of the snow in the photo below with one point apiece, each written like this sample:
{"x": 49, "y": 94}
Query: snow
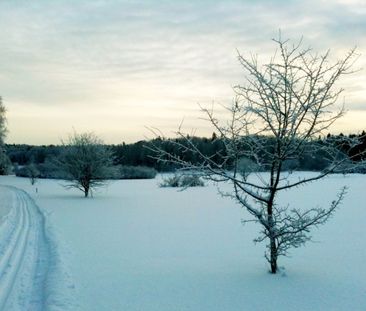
{"x": 5, "y": 204}
{"x": 31, "y": 275}
{"x": 23, "y": 259}
{"x": 135, "y": 246}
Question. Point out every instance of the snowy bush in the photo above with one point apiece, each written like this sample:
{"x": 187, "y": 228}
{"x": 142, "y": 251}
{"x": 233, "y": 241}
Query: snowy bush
{"x": 350, "y": 167}
{"x": 134, "y": 172}
{"x": 246, "y": 166}
{"x": 171, "y": 181}
{"x": 182, "y": 180}
{"x": 191, "y": 181}
{"x": 45, "y": 170}
{"x": 290, "y": 165}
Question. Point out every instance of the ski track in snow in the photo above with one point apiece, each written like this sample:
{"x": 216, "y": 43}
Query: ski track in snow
{"x": 24, "y": 255}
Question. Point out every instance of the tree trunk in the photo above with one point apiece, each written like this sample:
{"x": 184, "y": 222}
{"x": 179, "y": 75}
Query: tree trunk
{"x": 272, "y": 240}
{"x": 86, "y": 192}
{"x": 273, "y": 258}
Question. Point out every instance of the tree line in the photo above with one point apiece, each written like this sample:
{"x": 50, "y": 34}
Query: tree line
{"x": 140, "y": 153}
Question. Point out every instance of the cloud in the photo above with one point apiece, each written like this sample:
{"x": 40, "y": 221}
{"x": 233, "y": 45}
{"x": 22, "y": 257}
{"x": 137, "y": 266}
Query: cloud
{"x": 162, "y": 56}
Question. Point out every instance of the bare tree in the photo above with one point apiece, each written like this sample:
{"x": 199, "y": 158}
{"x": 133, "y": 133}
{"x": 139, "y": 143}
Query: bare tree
{"x": 86, "y": 161}
{"x": 276, "y": 117}
{"x": 3, "y": 129}
{"x": 32, "y": 172}
{"x": 4, "y": 159}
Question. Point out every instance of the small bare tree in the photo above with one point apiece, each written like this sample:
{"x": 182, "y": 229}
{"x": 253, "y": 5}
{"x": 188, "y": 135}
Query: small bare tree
{"x": 276, "y": 117}
{"x": 32, "y": 172}
{"x": 86, "y": 161}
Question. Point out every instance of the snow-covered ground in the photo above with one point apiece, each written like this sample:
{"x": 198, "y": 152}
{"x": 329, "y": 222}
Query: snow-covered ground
{"x": 135, "y": 246}
{"x": 30, "y": 276}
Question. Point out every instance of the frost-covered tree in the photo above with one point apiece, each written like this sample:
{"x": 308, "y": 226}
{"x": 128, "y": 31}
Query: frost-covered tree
{"x": 4, "y": 160}
{"x": 277, "y": 116}
{"x": 86, "y": 161}
{"x": 3, "y": 129}
{"x": 32, "y": 172}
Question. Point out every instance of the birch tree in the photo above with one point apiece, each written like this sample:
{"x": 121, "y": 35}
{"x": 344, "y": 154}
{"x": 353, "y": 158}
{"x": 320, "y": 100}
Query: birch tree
{"x": 277, "y": 116}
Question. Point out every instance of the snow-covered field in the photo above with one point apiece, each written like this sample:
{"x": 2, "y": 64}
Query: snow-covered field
{"x": 135, "y": 246}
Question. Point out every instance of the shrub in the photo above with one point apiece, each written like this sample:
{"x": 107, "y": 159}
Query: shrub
{"x": 20, "y": 171}
{"x": 246, "y": 166}
{"x": 182, "y": 180}
{"x": 171, "y": 181}
{"x": 351, "y": 167}
{"x": 44, "y": 170}
{"x": 50, "y": 170}
{"x": 290, "y": 165}
{"x": 191, "y": 181}
{"x": 134, "y": 172}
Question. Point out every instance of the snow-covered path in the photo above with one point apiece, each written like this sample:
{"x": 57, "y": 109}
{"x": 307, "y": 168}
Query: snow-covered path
{"x": 24, "y": 254}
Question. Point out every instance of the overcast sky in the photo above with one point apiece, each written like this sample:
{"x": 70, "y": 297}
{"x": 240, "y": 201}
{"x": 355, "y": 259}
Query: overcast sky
{"x": 117, "y": 67}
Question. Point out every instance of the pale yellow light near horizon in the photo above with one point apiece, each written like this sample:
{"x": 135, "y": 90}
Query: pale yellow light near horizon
{"x": 118, "y": 124}
{"x": 122, "y": 117}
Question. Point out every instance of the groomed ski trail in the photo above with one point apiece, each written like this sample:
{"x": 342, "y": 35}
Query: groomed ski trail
{"x": 24, "y": 255}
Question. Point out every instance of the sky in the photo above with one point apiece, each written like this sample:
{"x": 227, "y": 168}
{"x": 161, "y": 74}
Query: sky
{"x": 118, "y": 68}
